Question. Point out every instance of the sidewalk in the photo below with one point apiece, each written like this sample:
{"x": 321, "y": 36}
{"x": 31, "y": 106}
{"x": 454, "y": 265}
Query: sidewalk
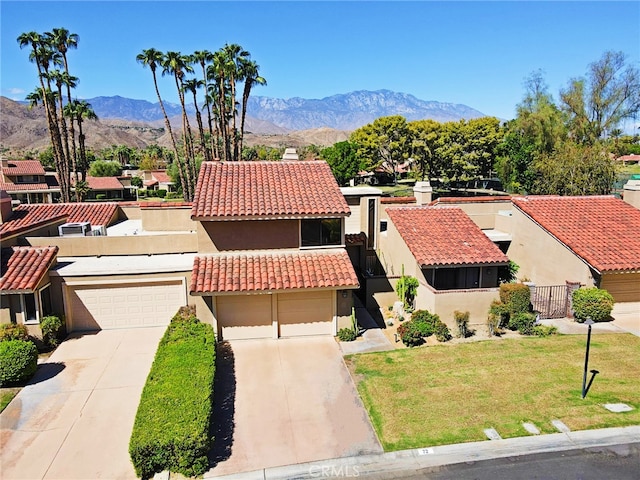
{"x": 384, "y": 465}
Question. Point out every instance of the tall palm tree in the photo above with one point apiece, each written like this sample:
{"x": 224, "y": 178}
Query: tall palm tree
{"x": 192, "y": 86}
{"x": 61, "y": 40}
{"x": 204, "y": 58}
{"x": 249, "y": 72}
{"x": 220, "y": 74}
{"x": 81, "y": 110}
{"x": 234, "y": 54}
{"x": 153, "y": 58}
{"x": 42, "y": 55}
{"x": 61, "y": 78}
{"x": 176, "y": 64}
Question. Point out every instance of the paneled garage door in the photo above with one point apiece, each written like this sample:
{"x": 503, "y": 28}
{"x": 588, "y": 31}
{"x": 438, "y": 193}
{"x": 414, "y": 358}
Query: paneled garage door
{"x": 308, "y": 313}
{"x": 125, "y": 305}
{"x": 244, "y": 316}
{"x": 624, "y": 287}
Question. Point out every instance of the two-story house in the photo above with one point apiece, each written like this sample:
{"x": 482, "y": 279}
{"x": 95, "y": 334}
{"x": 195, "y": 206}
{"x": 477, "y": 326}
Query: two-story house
{"x": 27, "y": 182}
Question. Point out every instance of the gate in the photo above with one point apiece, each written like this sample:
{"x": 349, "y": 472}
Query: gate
{"x": 551, "y": 301}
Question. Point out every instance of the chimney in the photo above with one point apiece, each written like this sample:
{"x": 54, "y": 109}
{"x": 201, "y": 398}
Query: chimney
{"x": 423, "y": 193}
{"x": 290, "y": 154}
{"x": 5, "y": 162}
{"x": 6, "y": 209}
{"x": 631, "y": 192}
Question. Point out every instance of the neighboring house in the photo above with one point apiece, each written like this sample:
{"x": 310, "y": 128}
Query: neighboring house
{"x": 157, "y": 180}
{"x": 629, "y": 159}
{"x": 105, "y": 188}
{"x": 271, "y": 241}
{"x": 27, "y": 182}
{"x": 25, "y": 287}
{"x": 456, "y": 264}
{"x": 593, "y": 240}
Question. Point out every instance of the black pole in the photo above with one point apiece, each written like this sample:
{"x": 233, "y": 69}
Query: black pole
{"x": 586, "y": 363}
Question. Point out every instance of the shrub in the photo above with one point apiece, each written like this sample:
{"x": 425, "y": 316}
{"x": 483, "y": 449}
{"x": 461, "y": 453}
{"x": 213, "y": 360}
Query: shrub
{"x": 425, "y": 322}
{"x": 13, "y": 331}
{"x": 101, "y": 196}
{"x": 172, "y": 195}
{"x": 406, "y": 288}
{"x": 442, "y": 332}
{"x": 347, "y": 335}
{"x": 523, "y": 322}
{"x": 161, "y": 193}
{"x": 516, "y": 297}
{"x": 171, "y": 429}
{"x": 410, "y": 334}
{"x": 18, "y": 361}
{"x": 498, "y": 314}
{"x": 493, "y": 325}
{"x": 544, "y": 330}
{"x": 462, "y": 322}
{"x": 592, "y": 302}
{"x": 51, "y": 327}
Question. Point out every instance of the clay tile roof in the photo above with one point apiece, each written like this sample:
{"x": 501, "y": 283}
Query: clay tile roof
{"x": 482, "y": 199}
{"x": 267, "y": 189}
{"x": 438, "y": 236}
{"x": 23, "y": 167}
{"x": 603, "y": 230}
{"x": 161, "y": 176}
{"x": 254, "y": 272}
{"x": 104, "y": 183}
{"x": 23, "y": 267}
{"x": 392, "y": 200}
{"x": 25, "y": 217}
{"x": 23, "y": 187}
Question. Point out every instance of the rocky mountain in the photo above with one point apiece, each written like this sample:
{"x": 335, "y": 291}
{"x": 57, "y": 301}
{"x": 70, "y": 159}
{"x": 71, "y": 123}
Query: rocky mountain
{"x": 276, "y": 122}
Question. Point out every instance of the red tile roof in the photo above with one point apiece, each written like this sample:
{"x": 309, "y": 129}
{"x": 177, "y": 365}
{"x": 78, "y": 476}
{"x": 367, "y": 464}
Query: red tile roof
{"x": 629, "y": 158}
{"x": 24, "y": 267}
{"x": 25, "y": 217}
{"x": 161, "y": 176}
{"x": 23, "y": 167}
{"x": 439, "y": 236}
{"x": 483, "y": 199}
{"x": 254, "y": 272}
{"x": 392, "y": 200}
{"x": 104, "y": 183}
{"x": 228, "y": 190}
{"x": 23, "y": 187}
{"x": 603, "y": 230}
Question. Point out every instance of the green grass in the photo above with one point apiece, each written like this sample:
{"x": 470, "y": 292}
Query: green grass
{"x": 449, "y": 394}
{"x": 6, "y": 395}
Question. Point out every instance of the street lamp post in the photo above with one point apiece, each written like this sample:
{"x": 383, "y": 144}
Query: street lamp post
{"x": 588, "y": 322}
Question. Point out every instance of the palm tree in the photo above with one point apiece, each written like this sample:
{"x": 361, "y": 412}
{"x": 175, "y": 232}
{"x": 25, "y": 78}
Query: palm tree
{"x": 176, "y": 64}
{"x": 152, "y": 58}
{"x": 81, "y": 110}
{"x": 219, "y": 73}
{"x": 61, "y": 40}
{"x": 204, "y": 58}
{"x": 249, "y": 71}
{"x": 192, "y": 85}
{"x": 234, "y": 54}
{"x": 61, "y": 78}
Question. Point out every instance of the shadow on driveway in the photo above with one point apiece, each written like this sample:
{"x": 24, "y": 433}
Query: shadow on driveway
{"x": 224, "y": 398}
{"x": 46, "y": 371}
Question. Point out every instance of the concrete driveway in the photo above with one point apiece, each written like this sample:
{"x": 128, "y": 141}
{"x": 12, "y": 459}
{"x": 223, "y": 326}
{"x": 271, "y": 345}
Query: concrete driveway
{"x": 283, "y": 402}
{"x": 74, "y": 419}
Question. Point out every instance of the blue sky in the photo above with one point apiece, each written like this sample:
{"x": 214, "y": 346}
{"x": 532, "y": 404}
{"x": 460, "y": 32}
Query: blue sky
{"x": 474, "y": 53}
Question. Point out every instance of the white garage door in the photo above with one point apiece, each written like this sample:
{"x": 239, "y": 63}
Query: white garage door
{"x": 125, "y": 305}
{"x": 244, "y": 316}
{"x": 308, "y": 313}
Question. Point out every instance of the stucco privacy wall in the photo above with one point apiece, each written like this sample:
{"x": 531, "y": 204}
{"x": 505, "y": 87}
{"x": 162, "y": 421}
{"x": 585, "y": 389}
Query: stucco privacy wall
{"x": 167, "y": 219}
{"x": 248, "y": 235}
{"x": 543, "y": 259}
{"x": 177, "y": 242}
{"x": 394, "y": 254}
{"x": 483, "y": 213}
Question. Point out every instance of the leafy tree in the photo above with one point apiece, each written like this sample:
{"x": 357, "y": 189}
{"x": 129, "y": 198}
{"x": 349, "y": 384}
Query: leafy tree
{"x": 574, "y": 169}
{"x": 343, "y": 160}
{"x": 105, "y": 168}
{"x": 597, "y": 104}
{"x": 424, "y": 136}
{"x": 384, "y": 143}
{"x": 137, "y": 182}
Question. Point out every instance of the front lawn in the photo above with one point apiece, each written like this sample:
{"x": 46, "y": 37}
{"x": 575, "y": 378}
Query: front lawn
{"x": 449, "y": 394}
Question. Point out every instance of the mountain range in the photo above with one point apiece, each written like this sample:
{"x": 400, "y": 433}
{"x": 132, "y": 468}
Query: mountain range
{"x": 277, "y": 122}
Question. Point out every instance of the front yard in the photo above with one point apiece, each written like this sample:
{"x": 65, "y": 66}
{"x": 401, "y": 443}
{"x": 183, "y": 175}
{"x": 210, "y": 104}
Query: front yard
{"x": 448, "y": 394}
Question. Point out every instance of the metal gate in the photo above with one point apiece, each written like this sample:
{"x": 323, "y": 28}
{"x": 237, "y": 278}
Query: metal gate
{"x": 551, "y": 301}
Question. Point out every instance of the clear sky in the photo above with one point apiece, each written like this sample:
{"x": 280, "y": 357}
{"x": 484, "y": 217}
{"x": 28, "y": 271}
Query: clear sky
{"x": 474, "y": 53}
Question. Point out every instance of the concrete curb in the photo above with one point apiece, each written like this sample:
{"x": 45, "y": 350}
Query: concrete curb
{"x": 417, "y": 459}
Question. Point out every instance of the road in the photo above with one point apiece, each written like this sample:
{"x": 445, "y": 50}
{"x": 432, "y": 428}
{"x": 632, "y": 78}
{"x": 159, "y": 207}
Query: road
{"x": 618, "y": 462}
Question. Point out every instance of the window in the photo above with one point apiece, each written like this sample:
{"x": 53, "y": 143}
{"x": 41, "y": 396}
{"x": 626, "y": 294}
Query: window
{"x": 45, "y": 301}
{"x": 29, "y": 309}
{"x": 321, "y": 232}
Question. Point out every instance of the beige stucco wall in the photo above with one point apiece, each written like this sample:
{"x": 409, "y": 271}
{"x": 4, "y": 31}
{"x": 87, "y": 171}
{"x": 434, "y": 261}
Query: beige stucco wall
{"x": 182, "y": 242}
{"x": 503, "y": 222}
{"x": 476, "y": 302}
{"x": 631, "y": 193}
{"x": 167, "y": 219}
{"x": 130, "y": 212}
{"x": 49, "y": 230}
{"x": 394, "y": 253}
{"x": 483, "y": 214}
{"x": 247, "y": 235}
{"x": 543, "y": 259}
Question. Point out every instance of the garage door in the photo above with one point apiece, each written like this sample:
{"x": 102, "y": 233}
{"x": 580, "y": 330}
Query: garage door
{"x": 624, "y": 287}
{"x": 308, "y": 313}
{"x": 244, "y": 316}
{"x": 125, "y": 305}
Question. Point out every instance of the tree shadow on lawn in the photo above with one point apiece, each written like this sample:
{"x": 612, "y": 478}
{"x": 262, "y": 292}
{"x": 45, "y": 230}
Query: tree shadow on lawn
{"x": 224, "y": 398}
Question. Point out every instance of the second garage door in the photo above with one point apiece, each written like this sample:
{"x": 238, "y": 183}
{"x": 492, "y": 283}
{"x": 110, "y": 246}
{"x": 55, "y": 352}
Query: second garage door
{"x": 244, "y": 317}
{"x": 125, "y": 305}
{"x": 308, "y": 313}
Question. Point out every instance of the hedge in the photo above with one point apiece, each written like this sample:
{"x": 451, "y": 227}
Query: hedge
{"x": 18, "y": 361}
{"x": 516, "y": 297}
{"x": 171, "y": 429}
{"x": 592, "y": 302}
